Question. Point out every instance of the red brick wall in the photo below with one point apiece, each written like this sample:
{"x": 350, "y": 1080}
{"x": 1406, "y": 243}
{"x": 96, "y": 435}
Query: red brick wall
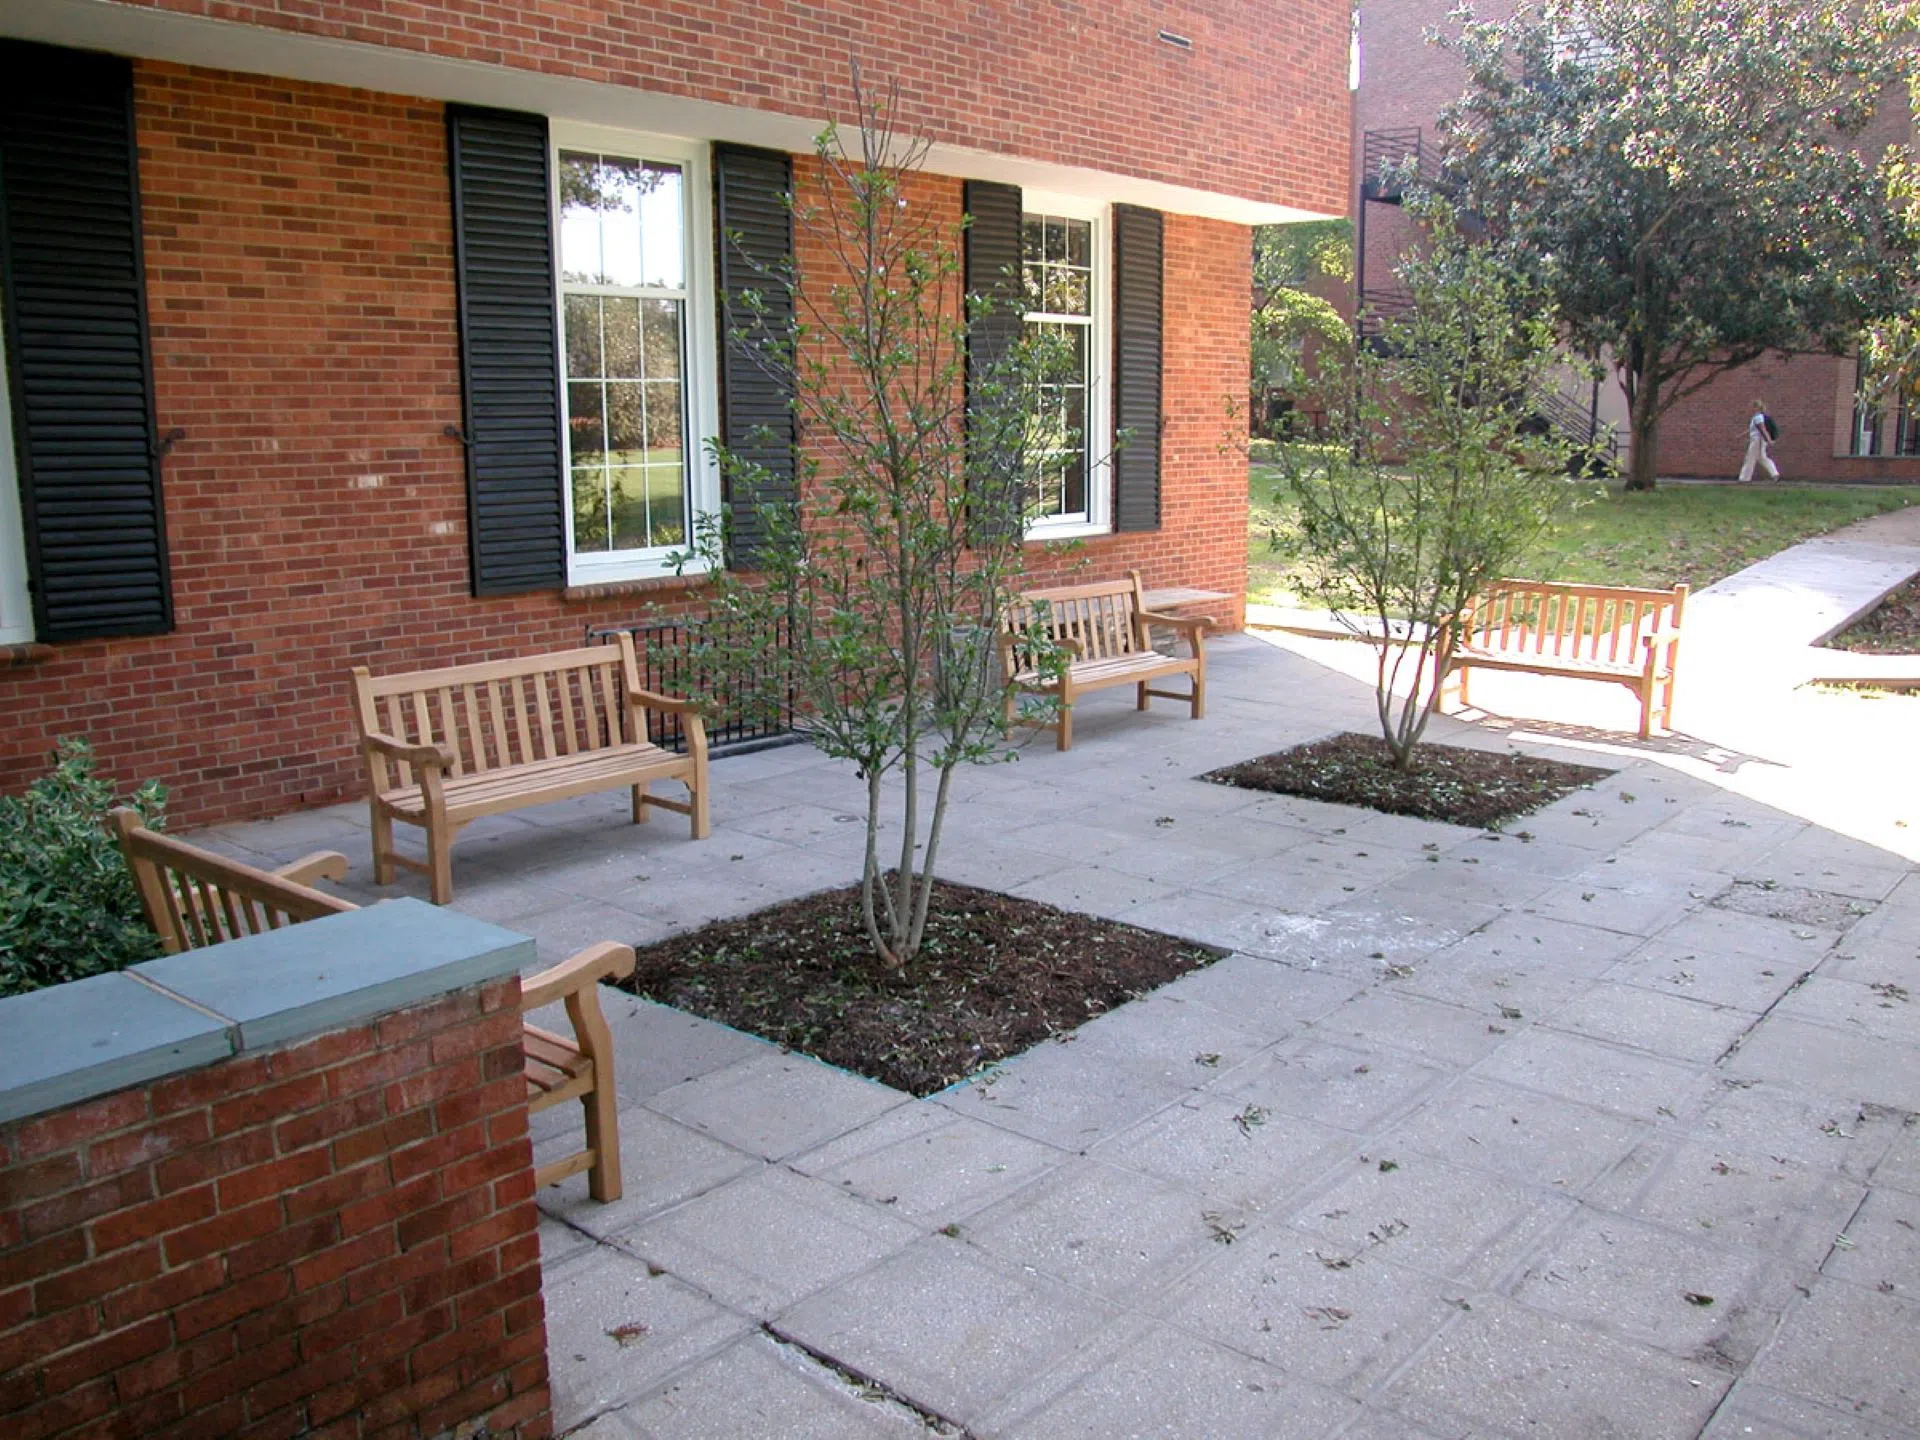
{"x": 304, "y": 336}
{"x": 1257, "y": 107}
{"x": 337, "y": 1238}
{"x": 1810, "y": 396}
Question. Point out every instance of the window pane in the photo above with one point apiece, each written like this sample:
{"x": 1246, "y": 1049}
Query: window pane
{"x": 579, "y": 218}
{"x": 626, "y": 422}
{"x": 583, "y": 335}
{"x": 666, "y": 489}
{"x": 589, "y": 507}
{"x": 1056, "y": 238}
{"x": 663, "y": 421}
{"x": 629, "y": 488}
{"x": 622, "y": 331}
{"x": 1069, "y": 292}
{"x": 618, "y": 195}
{"x": 661, "y": 222}
{"x": 586, "y": 434}
{"x": 1080, "y": 243}
{"x": 661, "y": 319}
{"x": 1032, "y": 239}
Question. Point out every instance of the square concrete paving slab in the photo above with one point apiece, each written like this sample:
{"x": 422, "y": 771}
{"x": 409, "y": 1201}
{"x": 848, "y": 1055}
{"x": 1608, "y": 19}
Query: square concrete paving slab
{"x": 1236, "y": 1163}
{"x": 1712, "y": 930}
{"x": 1503, "y": 1369}
{"x": 1053, "y": 1095}
{"x": 763, "y": 1241}
{"x": 929, "y": 1165}
{"x": 1267, "y": 997}
{"x": 1090, "y": 889}
{"x": 662, "y": 1164}
{"x": 1821, "y": 860}
{"x": 1880, "y": 1071}
{"x": 1786, "y": 1122}
{"x": 1170, "y": 1038}
{"x": 776, "y": 1104}
{"x": 1352, "y": 1088}
{"x": 1670, "y": 1025}
{"x": 1314, "y": 876}
{"x": 1886, "y": 1012}
{"x": 1753, "y": 1412}
{"x": 1319, "y": 1314}
{"x": 1485, "y": 1125}
{"x": 1880, "y": 1249}
{"x": 1099, "y": 1228}
{"x": 1447, "y": 1035}
{"x": 615, "y": 1331}
{"x": 951, "y": 1329}
{"x": 1627, "y": 1082}
{"x": 1852, "y": 1349}
{"x": 1634, "y": 909}
{"x": 1463, "y": 1226}
{"x": 1712, "y": 977}
{"x": 1669, "y": 1289}
{"x": 759, "y": 1389}
{"x": 1162, "y": 1382}
{"x": 1900, "y": 1166}
{"x": 1733, "y": 1197}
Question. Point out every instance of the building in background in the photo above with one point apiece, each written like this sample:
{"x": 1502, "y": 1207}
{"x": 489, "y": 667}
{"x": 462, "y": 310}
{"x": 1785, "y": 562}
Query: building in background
{"x": 1404, "y": 83}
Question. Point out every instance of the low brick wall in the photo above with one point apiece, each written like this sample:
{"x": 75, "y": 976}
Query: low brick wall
{"x": 334, "y": 1236}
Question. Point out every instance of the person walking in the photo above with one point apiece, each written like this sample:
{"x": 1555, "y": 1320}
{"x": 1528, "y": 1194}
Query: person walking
{"x": 1760, "y": 433}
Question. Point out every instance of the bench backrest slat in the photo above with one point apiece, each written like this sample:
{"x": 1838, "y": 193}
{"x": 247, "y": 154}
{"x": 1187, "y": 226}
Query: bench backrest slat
{"x": 1608, "y": 623}
{"x": 194, "y": 898}
{"x": 503, "y": 713}
{"x": 1101, "y": 618}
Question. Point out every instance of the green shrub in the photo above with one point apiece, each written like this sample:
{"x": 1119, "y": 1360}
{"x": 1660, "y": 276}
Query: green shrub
{"x": 68, "y": 908}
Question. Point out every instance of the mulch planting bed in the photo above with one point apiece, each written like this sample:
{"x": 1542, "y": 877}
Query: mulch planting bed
{"x": 994, "y": 976}
{"x": 1467, "y": 787}
{"x": 1890, "y": 628}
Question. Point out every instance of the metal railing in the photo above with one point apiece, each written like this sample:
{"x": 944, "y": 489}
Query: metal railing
{"x": 1392, "y": 159}
{"x": 667, "y": 667}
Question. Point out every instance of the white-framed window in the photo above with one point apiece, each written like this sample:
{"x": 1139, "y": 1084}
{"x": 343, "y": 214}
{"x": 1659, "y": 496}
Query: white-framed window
{"x": 635, "y": 295}
{"x": 16, "y": 609}
{"x": 1066, "y": 268}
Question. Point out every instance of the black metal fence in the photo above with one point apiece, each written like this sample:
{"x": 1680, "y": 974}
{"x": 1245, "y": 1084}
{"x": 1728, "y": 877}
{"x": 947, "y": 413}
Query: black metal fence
{"x": 667, "y": 668}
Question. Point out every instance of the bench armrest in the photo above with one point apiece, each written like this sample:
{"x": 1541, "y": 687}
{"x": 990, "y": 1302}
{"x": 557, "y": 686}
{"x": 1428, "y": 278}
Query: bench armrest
{"x": 1661, "y": 636}
{"x": 606, "y": 961}
{"x": 320, "y": 865}
{"x": 400, "y": 750}
{"x": 652, "y": 700}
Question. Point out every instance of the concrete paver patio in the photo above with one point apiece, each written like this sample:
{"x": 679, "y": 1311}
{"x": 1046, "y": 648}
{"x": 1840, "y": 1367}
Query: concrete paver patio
{"x": 1603, "y": 1127}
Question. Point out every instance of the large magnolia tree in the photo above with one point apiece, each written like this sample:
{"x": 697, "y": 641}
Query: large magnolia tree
{"x": 1690, "y": 178}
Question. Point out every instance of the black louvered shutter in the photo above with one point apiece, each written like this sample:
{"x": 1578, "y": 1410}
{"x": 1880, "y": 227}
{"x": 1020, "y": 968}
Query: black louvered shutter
{"x": 509, "y": 349}
{"x": 1136, "y": 366}
{"x": 76, "y": 330}
{"x": 753, "y": 245}
{"x": 993, "y": 272}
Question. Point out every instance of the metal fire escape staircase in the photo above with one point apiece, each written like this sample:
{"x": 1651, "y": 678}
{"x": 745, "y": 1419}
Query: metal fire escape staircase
{"x": 1393, "y": 163}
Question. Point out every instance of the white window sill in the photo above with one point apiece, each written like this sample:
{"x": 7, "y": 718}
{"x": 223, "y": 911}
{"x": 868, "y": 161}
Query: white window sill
{"x": 1042, "y": 533}
{"x": 583, "y": 573}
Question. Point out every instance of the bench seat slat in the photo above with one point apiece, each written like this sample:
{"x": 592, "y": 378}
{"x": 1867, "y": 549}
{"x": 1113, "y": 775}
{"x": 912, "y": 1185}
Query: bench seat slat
{"x": 559, "y": 778}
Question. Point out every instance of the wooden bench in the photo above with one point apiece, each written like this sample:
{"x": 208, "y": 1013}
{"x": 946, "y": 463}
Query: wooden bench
{"x": 194, "y": 898}
{"x": 1105, "y": 628}
{"x": 1585, "y": 632}
{"x": 444, "y": 747}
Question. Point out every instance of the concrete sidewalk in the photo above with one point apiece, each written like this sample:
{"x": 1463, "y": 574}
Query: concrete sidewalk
{"x": 1601, "y": 1128}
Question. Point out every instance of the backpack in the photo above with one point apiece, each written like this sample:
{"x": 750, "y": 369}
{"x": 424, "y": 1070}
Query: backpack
{"x": 1773, "y": 430}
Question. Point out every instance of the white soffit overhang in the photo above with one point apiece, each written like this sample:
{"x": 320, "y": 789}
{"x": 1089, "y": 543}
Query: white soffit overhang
{"x": 226, "y": 45}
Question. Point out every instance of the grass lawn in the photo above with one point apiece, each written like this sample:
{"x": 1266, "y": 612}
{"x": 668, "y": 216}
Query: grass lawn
{"x": 1696, "y": 533}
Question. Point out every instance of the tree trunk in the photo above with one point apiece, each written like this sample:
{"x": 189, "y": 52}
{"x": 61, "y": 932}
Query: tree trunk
{"x": 1644, "y": 429}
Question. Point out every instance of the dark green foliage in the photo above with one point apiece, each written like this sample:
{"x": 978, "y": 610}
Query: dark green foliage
{"x": 68, "y": 908}
{"x": 1693, "y": 179}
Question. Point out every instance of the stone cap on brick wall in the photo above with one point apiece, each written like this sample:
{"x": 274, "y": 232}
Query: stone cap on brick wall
{"x": 69, "y": 1043}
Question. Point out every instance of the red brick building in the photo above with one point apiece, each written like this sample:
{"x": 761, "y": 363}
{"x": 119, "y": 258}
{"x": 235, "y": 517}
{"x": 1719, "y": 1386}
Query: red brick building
{"x": 1404, "y": 84}
{"x": 390, "y": 333}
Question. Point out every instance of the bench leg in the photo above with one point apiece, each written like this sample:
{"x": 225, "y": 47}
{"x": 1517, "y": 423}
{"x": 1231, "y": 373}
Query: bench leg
{"x": 602, "y": 1122}
{"x": 640, "y": 816}
{"x": 697, "y": 803}
{"x": 1200, "y": 692}
{"x": 1141, "y": 701}
{"x": 381, "y": 826}
{"x": 1063, "y": 727}
{"x": 1009, "y": 708}
{"x": 440, "y": 860}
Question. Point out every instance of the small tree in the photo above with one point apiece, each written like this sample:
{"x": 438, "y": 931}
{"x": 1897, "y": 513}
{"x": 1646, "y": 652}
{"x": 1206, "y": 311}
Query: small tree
{"x": 1690, "y": 178}
{"x": 1290, "y": 320}
{"x": 880, "y": 594}
{"x": 1439, "y": 488}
